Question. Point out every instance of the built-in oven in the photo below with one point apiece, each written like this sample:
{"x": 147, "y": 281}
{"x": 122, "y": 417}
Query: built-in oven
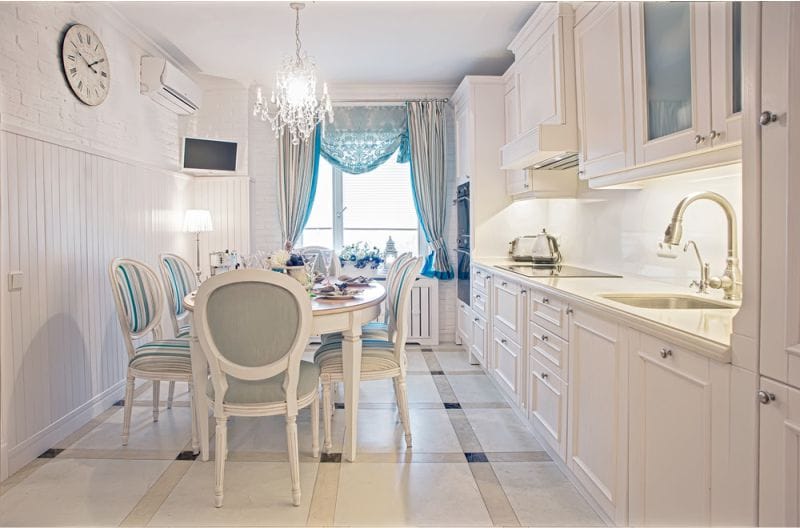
{"x": 463, "y": 246}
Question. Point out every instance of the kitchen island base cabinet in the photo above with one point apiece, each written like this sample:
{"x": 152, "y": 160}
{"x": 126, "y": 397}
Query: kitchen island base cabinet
{"x": 597, "y": 433}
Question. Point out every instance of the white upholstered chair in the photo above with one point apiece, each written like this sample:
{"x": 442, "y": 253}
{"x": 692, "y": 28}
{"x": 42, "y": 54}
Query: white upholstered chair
{"x": 381, "y": 358}
{"x": 140, "y": 306}
{"x": 253, "y": 326}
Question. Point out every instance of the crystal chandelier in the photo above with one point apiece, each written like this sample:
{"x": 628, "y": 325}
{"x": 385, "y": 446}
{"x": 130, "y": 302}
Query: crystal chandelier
{"x": 293, "y": 105}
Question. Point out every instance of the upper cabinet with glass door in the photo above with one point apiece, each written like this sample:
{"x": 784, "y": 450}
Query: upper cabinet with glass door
{"x": 727, "y": 79}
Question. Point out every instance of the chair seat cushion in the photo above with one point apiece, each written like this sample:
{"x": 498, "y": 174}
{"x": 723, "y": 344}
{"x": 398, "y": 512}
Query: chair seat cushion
{"x": 376, "y": 355}
{"x": 184, "y": 331}
{"x": 270, "y": 390}
{"x": 163, "y": 355}
{"x": 373, "y": 330}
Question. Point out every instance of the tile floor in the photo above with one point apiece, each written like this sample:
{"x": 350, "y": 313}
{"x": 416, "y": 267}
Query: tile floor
{"x": 473, "y": 463}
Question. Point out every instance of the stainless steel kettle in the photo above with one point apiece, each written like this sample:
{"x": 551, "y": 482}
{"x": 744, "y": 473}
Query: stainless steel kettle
{"x": 545, "y": 249}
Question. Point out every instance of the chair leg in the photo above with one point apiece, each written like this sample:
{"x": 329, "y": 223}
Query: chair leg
{"x": 219, "y": 458}
{"x": 171, "y": 394}
{"x": 402, "y": 405}
{"x": 326, "y": 414}
{"x": 195, "y": 436}
{"x": 126, "y": 419}
{"x": 156, "y": 398}
{"x": 294, "y": 457}
{"x": 315, "y": 425}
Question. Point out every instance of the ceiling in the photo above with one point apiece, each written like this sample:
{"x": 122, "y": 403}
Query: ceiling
{"x": 352, "y": 42}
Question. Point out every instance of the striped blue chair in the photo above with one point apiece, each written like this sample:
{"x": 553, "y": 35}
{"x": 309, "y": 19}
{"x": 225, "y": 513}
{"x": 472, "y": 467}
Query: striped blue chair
{"x": 380, "y": 358}
{"x": 140, "y": 306}
{"x": 179, "y": 281}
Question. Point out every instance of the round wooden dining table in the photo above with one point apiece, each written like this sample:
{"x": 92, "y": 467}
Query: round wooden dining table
{"x": 346, "y": 316}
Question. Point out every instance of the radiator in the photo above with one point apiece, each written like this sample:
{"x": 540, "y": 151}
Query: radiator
{"x": 424, "y": 312}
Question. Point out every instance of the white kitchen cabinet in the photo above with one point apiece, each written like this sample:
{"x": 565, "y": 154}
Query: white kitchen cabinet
{"x": 549, "y": 349}
{"x": 508, "y": 308}
{"x": 464, "y": 129}
{"x": 679, "y": 406}
{"x": 779, "y": 459}
{"x": 480, "y": 336}
{"x": 550, "y": 312}
{"x": 506, "y": 365}
{"x": 516, "y": 180}
{"x": 547, "y": 405}
{"x": 727, "y": 76}
{"x": 597, "y": 429}
{"x": 605, "y": 89}
{"x": 464, "y": 326}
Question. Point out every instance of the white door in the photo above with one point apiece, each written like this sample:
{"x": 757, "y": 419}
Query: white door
{"x": 779, "y": 459}
{"x": 727, "y": 79}
{"x": 780, "y": 194}
{"x": 605, "y": 89}
{"x": 671, "y": 78}
{"x": 671, "y": 445}
{"x": 597, "y": 432}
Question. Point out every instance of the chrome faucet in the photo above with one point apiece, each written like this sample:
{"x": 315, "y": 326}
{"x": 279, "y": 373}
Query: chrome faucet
{"x": 705, "y": 268}
{"x": 731, "y": 280}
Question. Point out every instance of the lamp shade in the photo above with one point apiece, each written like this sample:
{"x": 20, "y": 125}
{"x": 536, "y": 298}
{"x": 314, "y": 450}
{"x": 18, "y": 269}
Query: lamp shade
{"x": 197, "y": 221}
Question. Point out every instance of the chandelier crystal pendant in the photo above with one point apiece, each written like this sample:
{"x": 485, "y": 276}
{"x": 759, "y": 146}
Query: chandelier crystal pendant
{"x": 293, "y": 106}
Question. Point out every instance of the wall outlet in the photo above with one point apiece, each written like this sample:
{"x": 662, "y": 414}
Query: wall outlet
{"x": 16, "y": 280}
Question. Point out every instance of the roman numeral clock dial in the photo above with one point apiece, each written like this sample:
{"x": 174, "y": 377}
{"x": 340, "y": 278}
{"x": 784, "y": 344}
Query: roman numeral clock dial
{"x": 86, "y": 65}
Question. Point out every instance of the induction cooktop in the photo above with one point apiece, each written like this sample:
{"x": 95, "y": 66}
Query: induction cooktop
{"x": 559, "y": 270}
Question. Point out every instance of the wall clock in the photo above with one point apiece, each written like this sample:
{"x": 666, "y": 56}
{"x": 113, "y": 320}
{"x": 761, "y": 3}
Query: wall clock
{"x": 86, "y": 64}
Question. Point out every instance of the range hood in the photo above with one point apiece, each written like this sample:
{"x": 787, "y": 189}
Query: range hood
{"x": 546, "y": 147}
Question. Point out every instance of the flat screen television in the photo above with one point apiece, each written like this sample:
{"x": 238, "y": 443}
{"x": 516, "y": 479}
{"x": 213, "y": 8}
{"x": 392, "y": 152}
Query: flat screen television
{"x": 209, "y": 155}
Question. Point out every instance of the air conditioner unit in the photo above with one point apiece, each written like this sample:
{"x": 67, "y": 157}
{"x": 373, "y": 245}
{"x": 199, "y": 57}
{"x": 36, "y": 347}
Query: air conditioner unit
{"x": 168, "y": 86}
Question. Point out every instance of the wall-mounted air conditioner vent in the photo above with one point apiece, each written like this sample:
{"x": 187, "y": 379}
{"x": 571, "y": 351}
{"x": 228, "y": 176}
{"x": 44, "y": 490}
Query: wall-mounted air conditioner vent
{"x": 168, "y": 86}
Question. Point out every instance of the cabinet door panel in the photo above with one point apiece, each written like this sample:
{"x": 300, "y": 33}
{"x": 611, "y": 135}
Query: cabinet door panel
{"x": 464, "y": 142}
{"x": 597, "y": 431}
{"x": 506, "y": 362}
{"x": 670, "y": 441}
{"x": 549, "y": 349}
{"x": 779, "y": 474}
{"x": 536, "y": 83}
{"x": 547, "y": 405}
{"x": 605, "y": 90}
{"x": 479, "y": 336}
{"x": 507, "y": 305}
{"x": 727, "y": 80}
{"x": 465, "y": 324}
{"x": 549, "y": 312}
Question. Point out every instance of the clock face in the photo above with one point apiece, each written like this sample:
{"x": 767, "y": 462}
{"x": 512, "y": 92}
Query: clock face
{"x": 86, "y": 65}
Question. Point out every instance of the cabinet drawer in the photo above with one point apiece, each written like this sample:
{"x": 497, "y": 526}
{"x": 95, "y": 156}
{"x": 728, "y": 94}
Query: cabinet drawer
{"x": 549, "y": 312}
{"x": 674, "y": 358}
{"x": 547, "y": 405}
{"x": 549, "y": 349}
{"x": 508, "y": 307}
{"x": 506, "y": 358}
{"x": 480, "y": 279}
{"x": 479, "y": 339}
{"x": 480, "y": 303}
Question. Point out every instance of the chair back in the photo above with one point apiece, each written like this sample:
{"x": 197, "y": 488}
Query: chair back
{"x": 336, "y": 266}
{"x": 390, "y": 276}
{"x": 138, "y": 298}
{"x": 253, "y": 325}
{"x": 179, "y": 281}
{"x": 399, "y": 297}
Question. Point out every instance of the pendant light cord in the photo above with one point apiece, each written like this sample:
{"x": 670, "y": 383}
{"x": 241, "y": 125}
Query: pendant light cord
{"x": 297, "y": 33}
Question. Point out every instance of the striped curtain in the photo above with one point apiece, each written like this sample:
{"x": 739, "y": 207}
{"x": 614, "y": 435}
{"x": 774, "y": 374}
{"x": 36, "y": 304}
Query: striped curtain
{"x": 426, "y": 137}
{"x": 297, "y": 183}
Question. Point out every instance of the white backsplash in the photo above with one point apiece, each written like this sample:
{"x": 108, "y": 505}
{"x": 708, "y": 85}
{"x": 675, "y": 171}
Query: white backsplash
{"x": 618, "y": 230}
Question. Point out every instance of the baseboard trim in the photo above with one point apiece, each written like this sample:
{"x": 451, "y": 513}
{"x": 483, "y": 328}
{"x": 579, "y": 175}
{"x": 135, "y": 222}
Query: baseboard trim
{"x": 23, "y": 453}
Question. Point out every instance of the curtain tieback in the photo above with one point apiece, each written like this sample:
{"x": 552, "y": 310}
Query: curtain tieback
{"x": 438, "y": 244}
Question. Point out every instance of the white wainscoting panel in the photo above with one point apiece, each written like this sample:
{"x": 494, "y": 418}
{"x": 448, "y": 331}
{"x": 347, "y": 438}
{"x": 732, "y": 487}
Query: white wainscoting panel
{"x": 228, "y": 199}
{"x": 65, "y": 214}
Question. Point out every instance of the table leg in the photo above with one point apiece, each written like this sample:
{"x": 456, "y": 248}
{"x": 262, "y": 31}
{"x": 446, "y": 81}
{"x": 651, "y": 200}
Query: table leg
{"x": 200, "y": 401}
{"x": 351, "y": 350}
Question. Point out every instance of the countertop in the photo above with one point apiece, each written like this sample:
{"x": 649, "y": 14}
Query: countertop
{"x": 707, "y": 332}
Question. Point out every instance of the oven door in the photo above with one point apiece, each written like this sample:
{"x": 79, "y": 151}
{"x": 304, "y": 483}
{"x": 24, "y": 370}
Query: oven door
{"x": 463, "y": 276}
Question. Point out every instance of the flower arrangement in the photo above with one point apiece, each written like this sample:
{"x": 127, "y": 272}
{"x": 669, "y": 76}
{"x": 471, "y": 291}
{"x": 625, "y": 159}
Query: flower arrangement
{"x": 360, "y": 255}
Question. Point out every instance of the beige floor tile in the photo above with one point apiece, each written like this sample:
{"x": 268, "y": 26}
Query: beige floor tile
{"x": 268, "y": 433}
{"x": 475, "y": 389}
{"x": 256, "y": 494}
{"x": 409, "y": 495}
{"x": 421, "y": 389}
{"x": 456, "y": 361}
{"x": 72, "y": 492}
{"x": 416, "y": 362}
{"x": 542, "y": 496}
{"x": 380, "y": 431}
{"x": 501, "y": 430}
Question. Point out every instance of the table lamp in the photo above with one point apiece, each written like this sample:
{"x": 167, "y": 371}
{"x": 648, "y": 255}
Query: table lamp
{"x": 197, "y": 221}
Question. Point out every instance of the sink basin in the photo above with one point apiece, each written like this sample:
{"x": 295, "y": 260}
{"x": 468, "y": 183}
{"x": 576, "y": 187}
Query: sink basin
{"x": 667, "y": 301}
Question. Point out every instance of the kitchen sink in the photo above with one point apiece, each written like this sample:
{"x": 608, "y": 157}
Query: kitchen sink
{"x": 667, "y": 301}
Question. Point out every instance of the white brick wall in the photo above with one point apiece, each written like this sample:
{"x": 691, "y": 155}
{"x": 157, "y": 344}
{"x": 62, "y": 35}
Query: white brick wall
{"x": 35, "y": 95}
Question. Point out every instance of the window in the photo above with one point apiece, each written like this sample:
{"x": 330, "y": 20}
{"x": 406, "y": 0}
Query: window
{"x": 366, "y": 207}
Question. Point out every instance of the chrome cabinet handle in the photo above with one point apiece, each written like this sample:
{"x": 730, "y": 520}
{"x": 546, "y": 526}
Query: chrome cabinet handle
{"x": 765, "y": 397}
{"x": 543, "y": 376}
{"x": 476, "y": 319}
{"x": 570, "y": 310}
{"x": 545, "y": 338}
{"x": 523, "y": 292}
{"x": 503, "y": 341}
{"x": 767, "y": 117}
{"x": 504, "y": 283}
{"x": 699, "y": 139}
{"x": 665, "y": 353}
{"x": 545, "y": 300}
{"x": 477, "y": 273}
{"x": 525, "y": 186}
{"x": 478, "y": 297}
{"x": 713, "y": 134}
